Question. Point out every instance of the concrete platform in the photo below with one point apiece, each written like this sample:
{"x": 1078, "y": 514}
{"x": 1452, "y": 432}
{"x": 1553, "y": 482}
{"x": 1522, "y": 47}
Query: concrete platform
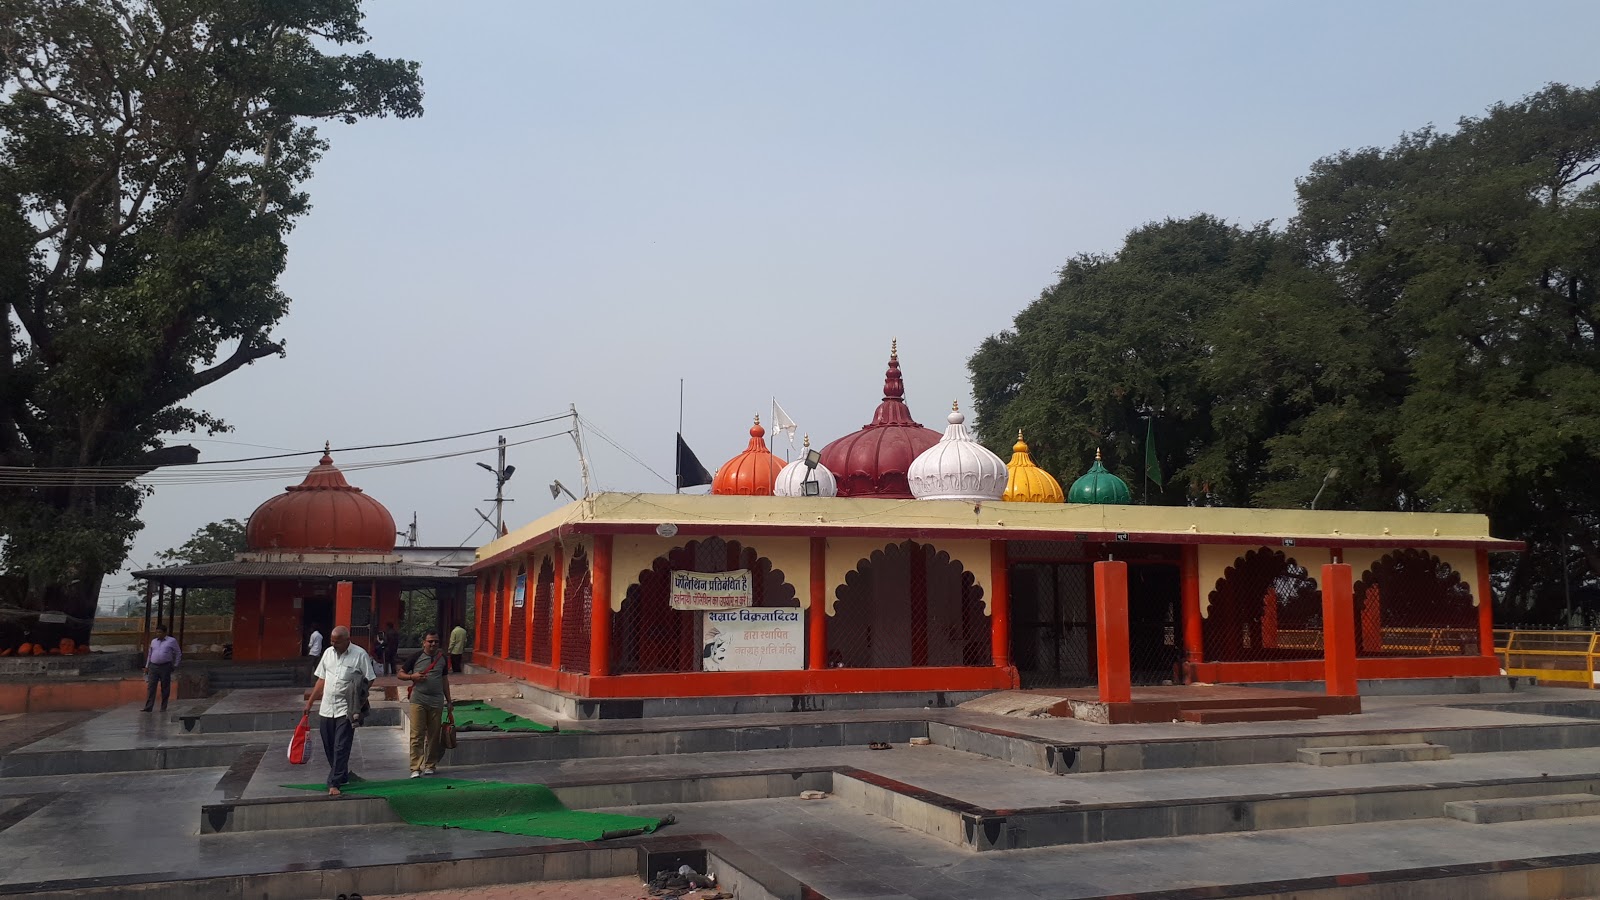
{"x": 1168, "y": 704}
{"x": 1171, "y": 809}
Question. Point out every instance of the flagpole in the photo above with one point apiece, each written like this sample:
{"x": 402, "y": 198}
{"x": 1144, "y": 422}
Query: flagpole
{"x": 677, "y": 468}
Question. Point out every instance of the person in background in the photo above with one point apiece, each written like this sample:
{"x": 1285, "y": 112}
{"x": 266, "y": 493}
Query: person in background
{"x": 159, "y": 661}
{"x": 391, "y": 648}
{"x": 458, "y": 646}
{"x": 314, "y": 644}
{"x": 342, "y": 675}
{"x": 380, "y": 651}
{"x": 430, "y": 697}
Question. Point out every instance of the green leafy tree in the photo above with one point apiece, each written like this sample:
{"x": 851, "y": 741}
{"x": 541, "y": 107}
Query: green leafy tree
{"x": 1122, "y": 338}
{"x": 1425, "y": 328}
{"x": 211, "y": 543}
{"x": 152, "y": 159}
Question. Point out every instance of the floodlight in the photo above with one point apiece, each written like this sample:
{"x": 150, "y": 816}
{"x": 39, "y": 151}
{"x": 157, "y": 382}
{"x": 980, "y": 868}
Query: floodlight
{"x": 812, "y": 459}
{"x": 507, "y": 475}
{"x": 810, "y": 489}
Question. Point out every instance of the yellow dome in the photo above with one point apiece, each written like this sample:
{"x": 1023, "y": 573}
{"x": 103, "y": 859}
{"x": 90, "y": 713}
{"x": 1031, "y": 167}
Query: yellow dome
{"x": 1026, "y": 482}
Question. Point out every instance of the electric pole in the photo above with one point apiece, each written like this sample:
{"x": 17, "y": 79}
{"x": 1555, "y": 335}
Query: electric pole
{"x": 502, "y": 473}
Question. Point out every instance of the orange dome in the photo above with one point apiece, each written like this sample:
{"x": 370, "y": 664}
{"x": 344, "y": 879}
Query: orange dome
{"x": 751, "y": 473}
{"x": 322, "y": 514}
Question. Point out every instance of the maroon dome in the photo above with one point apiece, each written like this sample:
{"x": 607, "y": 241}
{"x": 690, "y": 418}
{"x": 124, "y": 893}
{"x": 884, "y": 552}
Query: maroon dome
{"x": 873, "y": 462}
{"x": 322, "y": 514}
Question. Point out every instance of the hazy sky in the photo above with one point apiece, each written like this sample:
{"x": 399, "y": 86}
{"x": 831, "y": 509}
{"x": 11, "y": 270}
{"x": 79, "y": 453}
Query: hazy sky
{"x": 755, "y": 197}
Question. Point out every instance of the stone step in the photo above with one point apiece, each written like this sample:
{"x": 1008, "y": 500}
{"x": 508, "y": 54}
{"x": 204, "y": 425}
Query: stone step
{"x": 1361, "y": 754}
{"x": 1247, "y": 714}
{"x": 1523, "y": 809}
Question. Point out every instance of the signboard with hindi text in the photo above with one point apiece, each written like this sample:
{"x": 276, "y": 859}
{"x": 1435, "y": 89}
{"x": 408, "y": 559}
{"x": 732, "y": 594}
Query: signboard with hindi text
{"x": 753, "y": 639}
{"x": 711, "y": 590}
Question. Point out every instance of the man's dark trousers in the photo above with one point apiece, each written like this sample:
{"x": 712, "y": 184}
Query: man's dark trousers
{"x": 158, "y": 673}
{"x": 337, "y": 737}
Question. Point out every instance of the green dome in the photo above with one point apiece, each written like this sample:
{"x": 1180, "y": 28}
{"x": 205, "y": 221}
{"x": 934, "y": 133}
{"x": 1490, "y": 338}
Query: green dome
{"x": 1099, "y": 486}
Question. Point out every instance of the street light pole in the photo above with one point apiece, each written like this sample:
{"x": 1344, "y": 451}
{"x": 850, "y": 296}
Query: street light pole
{"x": 502, "y": 473}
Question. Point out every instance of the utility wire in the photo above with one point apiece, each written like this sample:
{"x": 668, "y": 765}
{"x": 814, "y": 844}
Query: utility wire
{"x": 625, "y": 451}
{"x": 219, "y": 462}
{"x": 17, "y": 477}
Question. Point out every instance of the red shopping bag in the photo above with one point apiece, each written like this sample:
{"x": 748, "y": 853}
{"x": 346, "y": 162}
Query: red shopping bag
{"x": 297, "y": 744}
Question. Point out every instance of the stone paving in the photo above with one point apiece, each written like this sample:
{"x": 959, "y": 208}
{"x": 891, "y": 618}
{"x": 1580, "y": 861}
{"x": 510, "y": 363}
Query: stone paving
{"x": 587, "y": 889}
{"x": 146, "y": 822}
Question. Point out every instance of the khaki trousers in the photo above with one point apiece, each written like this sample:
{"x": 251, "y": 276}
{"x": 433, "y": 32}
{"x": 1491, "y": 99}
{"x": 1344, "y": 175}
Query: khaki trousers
{"x": 427, "y": 727}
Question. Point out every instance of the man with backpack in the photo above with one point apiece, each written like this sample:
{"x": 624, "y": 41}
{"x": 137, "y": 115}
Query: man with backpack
{"x": 430, "y": 697}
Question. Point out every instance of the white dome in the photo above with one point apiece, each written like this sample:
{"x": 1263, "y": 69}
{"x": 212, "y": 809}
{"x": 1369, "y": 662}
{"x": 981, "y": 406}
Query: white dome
{"x": 791, "y": 479}
{"x": 958, "y": 467}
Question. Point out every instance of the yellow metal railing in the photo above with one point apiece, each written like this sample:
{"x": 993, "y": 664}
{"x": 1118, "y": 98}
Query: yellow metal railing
{"x": 1549, "y": 655}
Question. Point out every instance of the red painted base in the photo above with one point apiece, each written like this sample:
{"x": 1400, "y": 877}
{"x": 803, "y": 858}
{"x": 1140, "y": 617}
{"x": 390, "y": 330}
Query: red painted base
{"x": 1165, "y": 704}
{"x": 734, "y": 684}
{"x": 1366, "y": 667}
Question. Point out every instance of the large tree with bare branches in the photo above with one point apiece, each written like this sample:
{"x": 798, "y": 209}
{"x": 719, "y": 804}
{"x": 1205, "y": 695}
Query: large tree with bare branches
{"x": 152, "y": 154}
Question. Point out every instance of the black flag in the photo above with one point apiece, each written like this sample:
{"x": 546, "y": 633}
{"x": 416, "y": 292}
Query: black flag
{"x": 690, "y": 472}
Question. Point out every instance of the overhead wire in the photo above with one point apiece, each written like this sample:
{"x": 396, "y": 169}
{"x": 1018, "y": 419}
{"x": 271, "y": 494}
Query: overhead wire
{"x": 599, "y": 432}
{"x": 219, "y": 462}
{"x": 15, "y": 477}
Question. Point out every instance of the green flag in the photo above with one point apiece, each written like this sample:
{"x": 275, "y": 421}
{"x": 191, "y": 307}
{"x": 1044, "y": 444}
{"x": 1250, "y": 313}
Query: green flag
{"x": 1152, "y": 466}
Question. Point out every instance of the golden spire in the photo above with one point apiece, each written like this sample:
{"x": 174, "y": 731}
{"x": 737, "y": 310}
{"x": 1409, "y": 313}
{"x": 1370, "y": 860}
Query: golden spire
{"x": 1097, "y": 454}
{"x": 894, "y": 348}
{"x": 806, "y": 442}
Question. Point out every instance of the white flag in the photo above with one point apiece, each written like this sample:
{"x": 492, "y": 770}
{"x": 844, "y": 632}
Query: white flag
{"x": 782, "y": 422}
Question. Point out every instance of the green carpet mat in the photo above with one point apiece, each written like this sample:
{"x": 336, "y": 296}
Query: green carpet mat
{"x": 476, "y": 715}
{"x": 525, "y": 809}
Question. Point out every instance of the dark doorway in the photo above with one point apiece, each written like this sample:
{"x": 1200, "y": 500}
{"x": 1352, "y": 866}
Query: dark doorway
{"x": 315, "y": 613}
{"x": 1155, "y": 624}
{"x": 1052, "y": 624}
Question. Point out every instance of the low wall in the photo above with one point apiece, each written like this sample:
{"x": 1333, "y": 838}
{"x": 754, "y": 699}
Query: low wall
{"x": 62, "y": 695}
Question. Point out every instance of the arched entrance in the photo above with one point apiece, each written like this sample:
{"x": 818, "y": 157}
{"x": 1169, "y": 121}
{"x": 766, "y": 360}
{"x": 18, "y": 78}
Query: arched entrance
{"x": 1264, "y": 608}
{"x": 1411, "y": 603}
{"x": 909, "y": 605}
{"x": 649, "y": 636}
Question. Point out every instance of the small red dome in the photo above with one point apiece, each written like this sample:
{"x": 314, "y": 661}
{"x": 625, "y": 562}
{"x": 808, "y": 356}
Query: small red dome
{"x": 873, "y": 462}
{"x": 321, "y": 514}
{"x": 751, "y": 473}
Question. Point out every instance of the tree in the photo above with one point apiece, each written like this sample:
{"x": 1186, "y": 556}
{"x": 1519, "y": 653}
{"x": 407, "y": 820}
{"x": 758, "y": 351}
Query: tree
{"x": 1124, "y": 337}
{"x": 212, "y": 543}
{"x": 152, "y": 157}
{"x": 1425, "y": 326}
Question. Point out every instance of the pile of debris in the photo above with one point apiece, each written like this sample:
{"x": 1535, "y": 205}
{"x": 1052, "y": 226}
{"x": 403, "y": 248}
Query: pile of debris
{"x": 686, "y": 884}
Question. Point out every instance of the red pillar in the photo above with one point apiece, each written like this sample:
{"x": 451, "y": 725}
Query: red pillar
{"x": 999, "y": 605}
{"x": 600, "y": 623}
{"x": 1485, "y": 607}
{"x": 529, "y": 613}
{"x": 343, "y": 599}
{"x": 818, "y": 613}
{"x": 1269, "y": 618}
{"x": 1338, "y": 630}
{"x": 480, "y": 614}
{"x": 1111, "y": 631}
{"x": 558, "y": 596}
{"x": 508, "y": 585}
{"x": 1189, "y": 593}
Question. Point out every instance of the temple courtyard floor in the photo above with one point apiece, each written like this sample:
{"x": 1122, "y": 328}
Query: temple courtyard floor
{"x": 1433, "y": 795}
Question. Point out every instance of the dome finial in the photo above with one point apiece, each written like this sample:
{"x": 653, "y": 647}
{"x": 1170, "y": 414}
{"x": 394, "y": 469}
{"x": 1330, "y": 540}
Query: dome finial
{"x": 806, "y": 442}
{"x": 327, "y": 453}
{"x": 955, "y": 406}
{"x": 894, "y": 348}
{"x": 1026, "y": 482}
{"x": 1097, "y": 454}
{"x": 751, "y": 473}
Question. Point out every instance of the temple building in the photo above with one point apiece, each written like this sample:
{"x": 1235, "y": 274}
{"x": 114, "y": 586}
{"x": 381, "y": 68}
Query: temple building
{"x": 900, "y": 559}
{"x": 320, "y": 553}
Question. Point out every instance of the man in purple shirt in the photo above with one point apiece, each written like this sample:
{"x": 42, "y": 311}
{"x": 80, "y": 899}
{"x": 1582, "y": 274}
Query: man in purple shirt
{"x": 163, "y": 657}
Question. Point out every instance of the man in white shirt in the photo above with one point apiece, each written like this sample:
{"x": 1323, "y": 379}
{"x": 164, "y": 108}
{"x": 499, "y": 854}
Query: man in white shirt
{"x": 340, "y": 674}
{"x": 314, "y": 644}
